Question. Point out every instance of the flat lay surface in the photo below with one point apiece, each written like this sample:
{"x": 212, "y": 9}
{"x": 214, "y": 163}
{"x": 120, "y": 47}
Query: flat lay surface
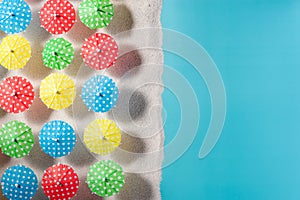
{"x": 132, "y": 111}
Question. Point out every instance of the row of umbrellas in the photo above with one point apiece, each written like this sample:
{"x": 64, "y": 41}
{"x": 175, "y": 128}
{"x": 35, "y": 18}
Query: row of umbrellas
{"x": 57, "y": 138}
{"x": 100, "y": 51}
{"x": 56, "y": 16}
{"x": 59, "y": 16}
{"x": 58, "y": 91}
{"x": 105, "y": 178}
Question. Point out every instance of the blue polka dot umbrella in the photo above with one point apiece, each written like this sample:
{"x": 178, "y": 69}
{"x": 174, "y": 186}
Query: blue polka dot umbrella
{"x": 57, "y": 138}
{"x": 19, "y": 183}
{"x": 100, "y": 93}
{"x": 15, "y": 16}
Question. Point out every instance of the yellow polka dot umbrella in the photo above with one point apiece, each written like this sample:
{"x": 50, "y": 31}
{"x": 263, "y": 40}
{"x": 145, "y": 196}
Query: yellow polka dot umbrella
{"x": 15, "y": 51}
{"x": 102, "y": 136}
{"x": 57, "y": 91}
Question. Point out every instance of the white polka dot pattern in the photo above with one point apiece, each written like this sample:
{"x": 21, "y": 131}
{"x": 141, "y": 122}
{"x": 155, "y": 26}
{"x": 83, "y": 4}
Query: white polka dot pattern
{"x": 57, "y": 138}
{"x": 58, "y": 53}
{"x": 57, "y": 16}
{"x": 16, "y": 139}
{"x": 19, "y": 183}
{"x": 100, "y": 51}
{"x": 102, "y": 136}
{"x": 57, "y": 91}
{"x": 15, "y": 52}
{"x": 100, "y": 93}
{"x": 60, "y": 182}
{"x": 105, "y": 178}
{"x": 15, "y": 16}
{"x": 96, "y": 13}
{"x": 16, "y": 94}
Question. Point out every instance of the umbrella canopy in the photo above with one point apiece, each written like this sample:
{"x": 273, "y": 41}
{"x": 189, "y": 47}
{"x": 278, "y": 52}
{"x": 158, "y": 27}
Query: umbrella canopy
{"x": 100, "y": 51}
{"x": 100, "y": 93}
{"x": 57, "y": 138}
{"x": 15, "y": 52}
{"x": 58, "y": 53}
{"x": 15, "y": 16}
{"x": 16, "y": 94}
{"x": 57, "y": 91}
{"x": 96, "y": 13}
{"x": 105, "y": 178}
{"x": 60, "y": 182}
{"x": 16, "y": 139}
{"x": 57, "y": 16}
{"x": 19, "y": 183}
{"x": 102, "y": 136}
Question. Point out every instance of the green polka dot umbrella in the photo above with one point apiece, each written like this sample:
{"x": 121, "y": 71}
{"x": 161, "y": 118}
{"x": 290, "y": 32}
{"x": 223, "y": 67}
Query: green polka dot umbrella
{"x": 16, "y": 139}
{"x": 96, "y": 13}
{"x": 105, "y": 178}
{"x": 58, "y": 53}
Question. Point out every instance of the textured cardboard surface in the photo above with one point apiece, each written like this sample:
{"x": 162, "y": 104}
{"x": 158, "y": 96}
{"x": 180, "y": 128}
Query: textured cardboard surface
{"x": 138, "y": 112}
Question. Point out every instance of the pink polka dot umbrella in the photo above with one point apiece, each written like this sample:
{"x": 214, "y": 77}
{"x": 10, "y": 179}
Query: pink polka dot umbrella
{"x": 16, "y": 94}
{"x": 57, "y": 16}
{"x": 60, "y": 182}
{"x": 99, "y": 51}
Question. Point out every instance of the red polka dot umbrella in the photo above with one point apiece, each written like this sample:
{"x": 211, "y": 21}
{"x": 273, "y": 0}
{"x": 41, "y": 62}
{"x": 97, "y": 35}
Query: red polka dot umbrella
{"x": 16, "y": 94}
{"x": 99, "y": 51}
{"x": 57, "y": 16}
{"x": 60, "y": 182}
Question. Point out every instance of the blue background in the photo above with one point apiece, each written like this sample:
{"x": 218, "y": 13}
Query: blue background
{"x": 256, "y": 46}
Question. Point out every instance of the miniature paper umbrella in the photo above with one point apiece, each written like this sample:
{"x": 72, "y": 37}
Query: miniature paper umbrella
{"x": 102, "y": 136}
{"x": 16, "y": 139}
{"x": 58, "y": 53}
{"x": 19, "y": 183}
{"x": 105, "y": 178}
{"x": 57, "y": 138}
{"x": 16, "y": 94}
{"x": 60, "y": 182}
{"x": 15, "y": 52}
{"x": 96, "y": 13}
{"x": 57, "y": 16}
{"x": 100, "y": 51}
{"x": 57, "y": 91}
{"x": 100, "y": 93}
{"x": 15, "y": 16}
